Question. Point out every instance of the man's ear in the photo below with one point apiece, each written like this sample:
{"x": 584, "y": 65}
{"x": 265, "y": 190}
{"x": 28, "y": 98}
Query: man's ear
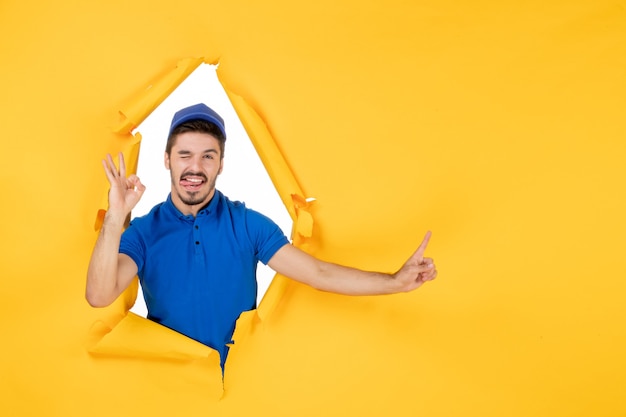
{"x": 221, "y": 166}
{"x": 166, "y": 161}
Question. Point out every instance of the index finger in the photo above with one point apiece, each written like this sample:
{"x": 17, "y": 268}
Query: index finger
{"x": 422, "y": 247}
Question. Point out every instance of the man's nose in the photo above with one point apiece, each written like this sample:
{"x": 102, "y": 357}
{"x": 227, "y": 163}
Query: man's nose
{"x": 196, "y": 163}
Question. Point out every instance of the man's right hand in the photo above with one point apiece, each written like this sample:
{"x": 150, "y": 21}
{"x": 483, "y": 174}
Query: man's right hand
{"x": 110, "y": 272}
{"x": 124, "y": 193}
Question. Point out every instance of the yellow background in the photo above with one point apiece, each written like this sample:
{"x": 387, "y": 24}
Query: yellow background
{"x": 497, "y": 125}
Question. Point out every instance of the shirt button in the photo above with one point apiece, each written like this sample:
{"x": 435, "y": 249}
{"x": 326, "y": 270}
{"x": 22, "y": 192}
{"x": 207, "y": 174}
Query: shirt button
{"x": 197, "y": 243}
{"x": 196, "y": 227}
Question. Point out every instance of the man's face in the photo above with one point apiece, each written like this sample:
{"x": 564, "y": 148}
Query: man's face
{"x": 194, "y": 163}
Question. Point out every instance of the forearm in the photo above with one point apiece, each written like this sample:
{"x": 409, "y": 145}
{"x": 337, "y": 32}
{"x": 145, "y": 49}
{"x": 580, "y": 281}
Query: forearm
{"x": 300, "y": 266}
{"x": 350, "y": 281}
{"x": 102, "y": 274}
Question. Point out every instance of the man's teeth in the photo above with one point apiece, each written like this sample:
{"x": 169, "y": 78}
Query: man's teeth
{"x": 198, "y": 180}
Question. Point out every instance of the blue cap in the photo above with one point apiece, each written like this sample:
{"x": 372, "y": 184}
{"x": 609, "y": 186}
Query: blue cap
{"x": 198, "y": 111}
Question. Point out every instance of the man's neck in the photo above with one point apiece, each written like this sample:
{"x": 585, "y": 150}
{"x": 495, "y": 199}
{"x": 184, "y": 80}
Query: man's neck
{"x": 191, "y": 210}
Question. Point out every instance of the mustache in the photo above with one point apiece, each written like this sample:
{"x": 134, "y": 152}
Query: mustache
{"x": 193, "y": 174}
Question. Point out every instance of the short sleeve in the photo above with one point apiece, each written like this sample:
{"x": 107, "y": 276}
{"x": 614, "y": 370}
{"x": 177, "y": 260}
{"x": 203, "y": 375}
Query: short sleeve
{"x": 132, "y": 244}
{"x": 265, "y": 235}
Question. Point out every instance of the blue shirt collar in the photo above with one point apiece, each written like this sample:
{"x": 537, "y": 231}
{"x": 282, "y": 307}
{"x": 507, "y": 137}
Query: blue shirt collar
{"x": 205, "y": 211}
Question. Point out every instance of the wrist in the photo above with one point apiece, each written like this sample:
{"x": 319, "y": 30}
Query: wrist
{"x": 394, "y": 284}
{"x": 115, "y": 219}
{"x": 400, "y": 283}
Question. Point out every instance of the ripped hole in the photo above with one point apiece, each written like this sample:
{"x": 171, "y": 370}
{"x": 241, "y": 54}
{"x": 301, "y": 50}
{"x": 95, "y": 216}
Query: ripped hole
{"x": 244, "y": 177}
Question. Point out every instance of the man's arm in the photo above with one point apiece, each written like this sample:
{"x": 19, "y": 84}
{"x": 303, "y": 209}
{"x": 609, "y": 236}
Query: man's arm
{"x": 296, "y": 264}
{"x": 110, "y": 272}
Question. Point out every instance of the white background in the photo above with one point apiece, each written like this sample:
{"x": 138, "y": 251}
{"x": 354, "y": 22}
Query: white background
{"x": 244, "y": 178}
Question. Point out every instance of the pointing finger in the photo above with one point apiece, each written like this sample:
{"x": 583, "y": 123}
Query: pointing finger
{"x": 419, "y": 253}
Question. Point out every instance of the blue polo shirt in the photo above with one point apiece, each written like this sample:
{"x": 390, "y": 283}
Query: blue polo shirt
{"x": 198, "y": 274}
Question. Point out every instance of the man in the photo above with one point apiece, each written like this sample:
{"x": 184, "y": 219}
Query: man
{"x": 196, "y": 253}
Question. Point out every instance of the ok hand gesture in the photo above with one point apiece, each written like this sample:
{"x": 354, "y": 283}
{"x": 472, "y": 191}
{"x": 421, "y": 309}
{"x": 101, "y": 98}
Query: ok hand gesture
{"x": 124, "y": 192}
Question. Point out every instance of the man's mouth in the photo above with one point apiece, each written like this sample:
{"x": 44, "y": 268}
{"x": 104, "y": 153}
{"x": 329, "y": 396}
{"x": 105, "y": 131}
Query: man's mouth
{"x": 192, "y": 182}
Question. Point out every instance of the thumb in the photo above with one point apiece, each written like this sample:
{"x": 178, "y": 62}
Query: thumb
{"x": 137, "y": 188}
{"x": 136, "y": 184}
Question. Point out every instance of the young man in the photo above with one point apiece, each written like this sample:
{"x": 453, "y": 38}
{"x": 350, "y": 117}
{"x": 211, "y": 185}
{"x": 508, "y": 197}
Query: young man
{"x": 196, "y": 253}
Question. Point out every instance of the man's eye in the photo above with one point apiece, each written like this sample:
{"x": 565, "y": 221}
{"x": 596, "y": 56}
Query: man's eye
{"x": 208, "y": 156}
